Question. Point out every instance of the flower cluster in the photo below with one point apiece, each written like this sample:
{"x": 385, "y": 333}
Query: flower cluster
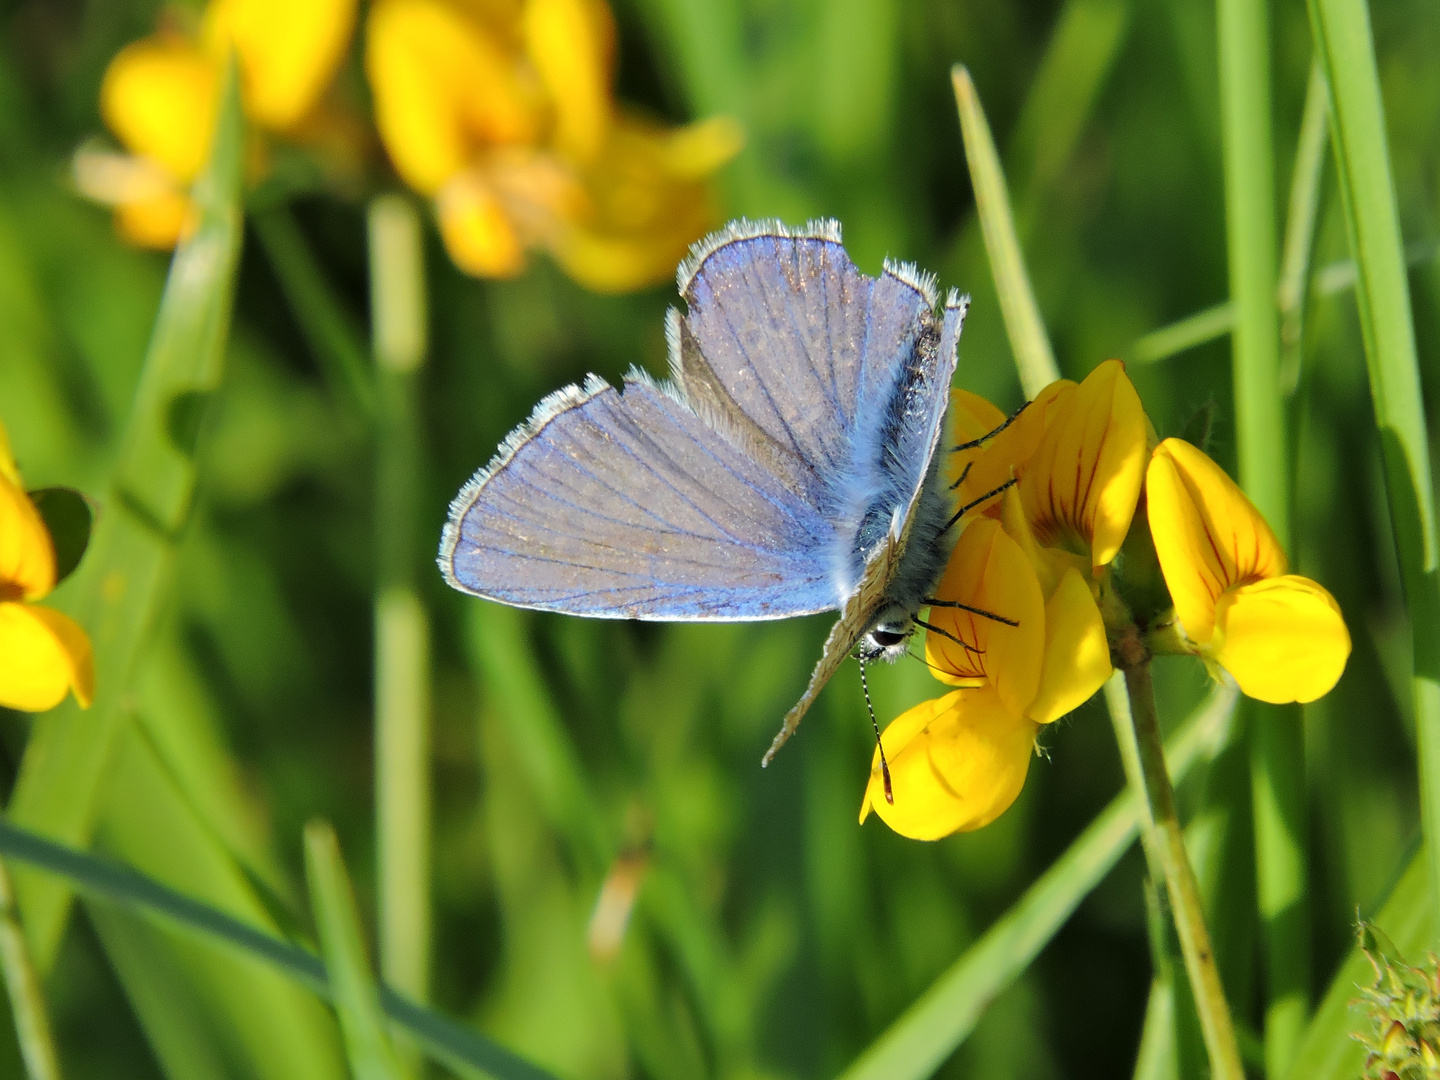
{"x": 160, "y": 97}
{"x": 502, "y": 114}
{"x": 43, "y": 654}
{"x": 1070, "y": 508}
{"x": 505, "y": 117}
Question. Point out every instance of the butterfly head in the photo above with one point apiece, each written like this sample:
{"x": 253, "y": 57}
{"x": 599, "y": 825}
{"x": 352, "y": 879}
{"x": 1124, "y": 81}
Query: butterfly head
{"x": 887, "y": 639}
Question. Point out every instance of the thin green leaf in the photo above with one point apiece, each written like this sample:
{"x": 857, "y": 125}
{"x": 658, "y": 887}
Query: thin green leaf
{"x": 1300, "y": 226}
{"x": 148, "y": 504}
{"x": 1189, "y": 333}
{"x": 498, "y": 639}
{"x": 1033, "y": 355}
{"x": 342, "y": 942}
{"x": 940, "y": 1019}
{"x": 1346, "y": 50}
{"x": 328, "y": 329}
{"x": 451, "y": 1044}
{"x": 268, "y": 1027}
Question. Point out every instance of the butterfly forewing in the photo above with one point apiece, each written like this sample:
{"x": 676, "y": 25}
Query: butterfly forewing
{"x": 787, "y": 334}
{"x": 631, "y": 507}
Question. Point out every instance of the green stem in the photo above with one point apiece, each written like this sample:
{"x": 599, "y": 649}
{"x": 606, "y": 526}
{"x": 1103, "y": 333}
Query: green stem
{"x": 402, "y": 634}
{"x": 1176, "y": 1043}
{"x": 1162, "y": 821}
{"x": 325, "y": 324}
{"x": 27, "y": 1003}
{"x": 1300, "y": 227}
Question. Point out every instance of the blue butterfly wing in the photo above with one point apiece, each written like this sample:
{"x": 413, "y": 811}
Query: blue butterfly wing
{"x": 630, "y": 506}
{"x": 784, "y": 333}
{"x": 729, "y": 496}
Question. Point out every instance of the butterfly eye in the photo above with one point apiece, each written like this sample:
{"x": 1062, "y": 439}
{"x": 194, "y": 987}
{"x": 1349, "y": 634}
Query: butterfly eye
{"x": 886, "y": 638}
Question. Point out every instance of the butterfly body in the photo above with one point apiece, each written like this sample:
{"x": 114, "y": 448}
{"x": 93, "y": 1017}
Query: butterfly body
{"x": 789, "y": 466}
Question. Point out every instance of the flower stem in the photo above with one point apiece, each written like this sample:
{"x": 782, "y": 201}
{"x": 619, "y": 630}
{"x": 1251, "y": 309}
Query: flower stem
{"x": 402, "y": 628}
{"x": 1168, "y": 842}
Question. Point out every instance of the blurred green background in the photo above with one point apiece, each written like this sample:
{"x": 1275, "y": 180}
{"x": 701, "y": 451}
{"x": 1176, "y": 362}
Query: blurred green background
{"x": 772, "y": 936}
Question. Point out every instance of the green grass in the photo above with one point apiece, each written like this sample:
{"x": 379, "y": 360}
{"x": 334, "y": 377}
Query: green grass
{"x": 269, "y": 489}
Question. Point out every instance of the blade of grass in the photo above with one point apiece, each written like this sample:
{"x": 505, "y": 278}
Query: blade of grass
{"x": 1031, "y": 344}
{"x": 269, "y": 1028}
{"x": 1278, "y": 747}
{"x": 1343, "y": 42}
{"x": 1215, "y": 322}
{"x": 27, "y": 1002}
{"x": 357, "y": 1004}
{"x": 1408, "y": 918}
{"x": 452, "y": 1044}
{"x": 940, "y": 1019}
{"x": 1189, "y": 333}
{"x": 499, "y": 649}
{"x": 1300, "y": 226}
{"x": 1077, "y": 60}
{"x": 402, "y": 629}
{"x": 132, "y": 553}
{"x": 327, "y": 327}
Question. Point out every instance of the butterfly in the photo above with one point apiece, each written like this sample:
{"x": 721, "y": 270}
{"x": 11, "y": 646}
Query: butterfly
{"x": 789, "y": 466}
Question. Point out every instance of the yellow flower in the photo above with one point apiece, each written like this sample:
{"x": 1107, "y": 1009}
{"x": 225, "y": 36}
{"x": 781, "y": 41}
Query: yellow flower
{"x": 956, "y": 764}
{"x": 505, "y": 117}
{"x": 159, "y": 98}
{"x": 1280, "y": 635}
{"x": 1017, "y": 622}
{"x": 43, "y": 654}
{"x": 1026, "y": 655}
{"x": 1080, "y": 486}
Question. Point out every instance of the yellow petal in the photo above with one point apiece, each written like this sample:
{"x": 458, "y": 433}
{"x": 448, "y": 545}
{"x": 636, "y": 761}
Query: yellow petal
{"x": 27, "y": 555}
{"x": 8, "y": 471}
{"x": 159, "y": 98}
{"x": 640, "y": 217}
{"x": 572, "y": 45}
{"x": 477, "y": 233}
{"x": 287, "y": 51}
{"x": 1283, "y": 639}
{"x": 988, "y": 572}
{"x": 159, "y": 222}
{"x": 444, "y": 88}
{"x": 956, "y": 764}
{"x": 1083, "y": 481}
{"x": 697, "y": 150}
{"x": 43, "y": 654}
{"x": 1208, "y": 536}
{"x": 1077, "y": 653}
{"x": 987, "y": 467}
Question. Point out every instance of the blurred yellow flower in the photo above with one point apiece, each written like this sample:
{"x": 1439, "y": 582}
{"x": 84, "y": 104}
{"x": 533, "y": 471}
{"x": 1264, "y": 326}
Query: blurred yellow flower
{"x": 503, "y": 114}
{"x": 43, "y": 654}
{"x": 1280, "y": 635}
{"x": 159, "y": 98}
